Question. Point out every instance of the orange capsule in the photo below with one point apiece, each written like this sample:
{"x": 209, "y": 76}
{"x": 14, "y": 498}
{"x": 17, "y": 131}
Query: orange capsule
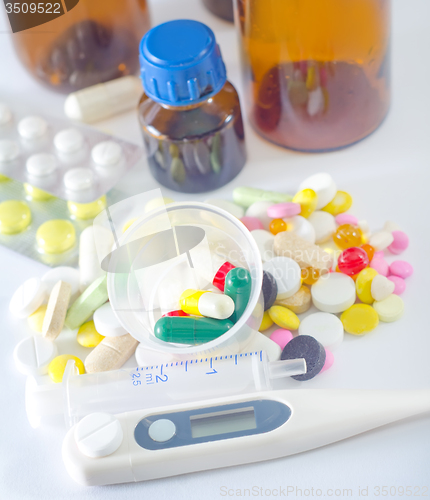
{"x": 277, "y": 226}
{"x": 347, "y": 236}
{"x": 369, "y": 250}
{"x": 310, "y": 275}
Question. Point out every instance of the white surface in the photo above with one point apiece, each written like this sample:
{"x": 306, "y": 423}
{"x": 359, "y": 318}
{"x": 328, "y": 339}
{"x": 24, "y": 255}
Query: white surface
{"x": 98, "y": 435}
{"x": 388, "y": 176}
{"x": 107, "y": 323}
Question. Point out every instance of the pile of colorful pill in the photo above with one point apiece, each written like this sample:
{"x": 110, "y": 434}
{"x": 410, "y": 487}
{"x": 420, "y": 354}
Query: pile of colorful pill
{"x": 313, "y": 252}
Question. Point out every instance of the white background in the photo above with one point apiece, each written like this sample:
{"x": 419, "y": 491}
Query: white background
{"x": 388, "y": 175}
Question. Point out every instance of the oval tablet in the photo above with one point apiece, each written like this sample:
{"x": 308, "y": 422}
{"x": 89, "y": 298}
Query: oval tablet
{"x": 106, "y": 153}
{"x": 32, "y": 127}
{"x": 287, "y": 274}
{"x": 333, "y": 293}
{"x": 69, "y": 140}
{"x": 359, "y": 319}
{"x": 324, "y": 327}
{"x": 324, "y": 187}
{"x": 15, "y": 216}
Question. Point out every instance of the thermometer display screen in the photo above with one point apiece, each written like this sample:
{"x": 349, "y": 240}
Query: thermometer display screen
{"x": 222, "y": 422}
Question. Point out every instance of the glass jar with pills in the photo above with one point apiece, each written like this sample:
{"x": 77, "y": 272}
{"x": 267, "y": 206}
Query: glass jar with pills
{"x": 317, "y": 73}
{"x": 190, "y": 114}
{"x": 86, "y": 43}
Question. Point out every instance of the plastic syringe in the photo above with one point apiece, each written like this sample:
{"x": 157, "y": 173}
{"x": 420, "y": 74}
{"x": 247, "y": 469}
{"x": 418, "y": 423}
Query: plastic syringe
{"x": 165, "y": 384}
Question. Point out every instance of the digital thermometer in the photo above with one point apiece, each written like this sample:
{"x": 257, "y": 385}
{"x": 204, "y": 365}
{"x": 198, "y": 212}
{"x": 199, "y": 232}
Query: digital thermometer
{"x": 150, "y": 444}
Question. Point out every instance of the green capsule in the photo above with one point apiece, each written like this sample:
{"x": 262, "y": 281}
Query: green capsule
{"x": 238, "y": 287}
{"x": 246, "y": 196}
{"x": 189, "y": 330}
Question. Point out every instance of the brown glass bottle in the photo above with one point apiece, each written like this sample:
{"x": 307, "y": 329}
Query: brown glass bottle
{"x": 94, "y": 42}
{"x": 317, "y": 72}
{"x": 221, "y": 8}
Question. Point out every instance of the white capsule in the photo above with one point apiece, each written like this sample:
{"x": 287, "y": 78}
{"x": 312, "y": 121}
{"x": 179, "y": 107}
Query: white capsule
{"x": 216, "y": 305}
{"x": 104, "y": 100}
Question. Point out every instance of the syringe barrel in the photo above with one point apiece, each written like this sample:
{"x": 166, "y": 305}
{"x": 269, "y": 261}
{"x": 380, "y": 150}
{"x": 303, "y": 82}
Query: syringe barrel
{"x": 162, "y": 385}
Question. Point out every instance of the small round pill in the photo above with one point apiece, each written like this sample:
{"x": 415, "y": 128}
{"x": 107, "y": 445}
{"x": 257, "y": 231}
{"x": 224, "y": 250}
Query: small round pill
{"x": 88, "y": 336}
{"x": 381, "y": 288}
{"x": 333, "y": 293}
{"x": 57, "y": 367}
{"x": 359, "y": 319}
{"x": 69, "y": 141}
{"x": 85, "y": 211}
{"x": 32, "y": 127}
{"x": 35, "y": 320}
{"x": 287, "y": 275}
{"x": 400, "y": 242}
{"x": 401, "y": 268}
{"x": 281, "y": 337}
{"x": 9, "y": 150}
{"x": 390, "y": 309}
{"x": 27, "y": 298}
{"x": 399, "y": 284}
{"x": 98, "y": 435}
{"x": 266, "y": 322}
{"x": 324, "y": 327}
{"x": 269, "y": 289}
{"x": 106, "y": 153}
{"x": 56, "y": 236}
{"x": 308, "y": 348}
{"x": 41, "y": 164}
{"x": 79, "y": 179}
{"x": 34, "y": 354}
{"x": 323, "y": 224}
{"x": 15, "y": 216}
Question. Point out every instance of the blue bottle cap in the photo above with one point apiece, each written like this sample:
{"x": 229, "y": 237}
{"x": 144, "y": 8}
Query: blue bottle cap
{"x": 181, "y": 63}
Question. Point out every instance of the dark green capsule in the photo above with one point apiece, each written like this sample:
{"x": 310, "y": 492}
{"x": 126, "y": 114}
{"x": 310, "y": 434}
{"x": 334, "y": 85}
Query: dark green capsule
{"x": 189, "y": 330}
{"x": 238, "y": 287}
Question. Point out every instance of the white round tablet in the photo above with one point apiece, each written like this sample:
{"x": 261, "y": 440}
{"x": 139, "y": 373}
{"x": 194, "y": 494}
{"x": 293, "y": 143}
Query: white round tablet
{"x": 106, "y": 323}
{"x": 79, "y": 179}
{"x": 381, "y": 240}
{"x": 323, "y": 185}
{"x": 9, "y": 150}
{"x": 323, "y": 224}
{"x": 69, "y": 140}
{"x": 325, "y": 327}
{"x": 33, "y": 355}
{"x": 390, "y": 309}
{"x": 62, "y": 273}
{"x": 32, "y": 127}
{"x": 333, "y": 293}
{"x": 41, "y": 164}
{"x": 106, "y": 153}
{"x": 287, "y": 274}
{"x": 301, "y": 227}
{"x": 259, "y": 210}
{"x": 228, "y": 206}
{"x": 264, "y": 241}
{"x": 5, "y": 114}
{"x": 29, "y": 297}
{"x": 98, "y": 435}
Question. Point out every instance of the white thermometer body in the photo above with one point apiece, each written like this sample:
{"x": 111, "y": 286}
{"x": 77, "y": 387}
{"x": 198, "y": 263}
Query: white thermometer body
{"x": 237, "y": 430}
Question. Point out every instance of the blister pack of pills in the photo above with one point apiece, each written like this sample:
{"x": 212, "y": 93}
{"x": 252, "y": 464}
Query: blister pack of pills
{"x": 67, "y": 160}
